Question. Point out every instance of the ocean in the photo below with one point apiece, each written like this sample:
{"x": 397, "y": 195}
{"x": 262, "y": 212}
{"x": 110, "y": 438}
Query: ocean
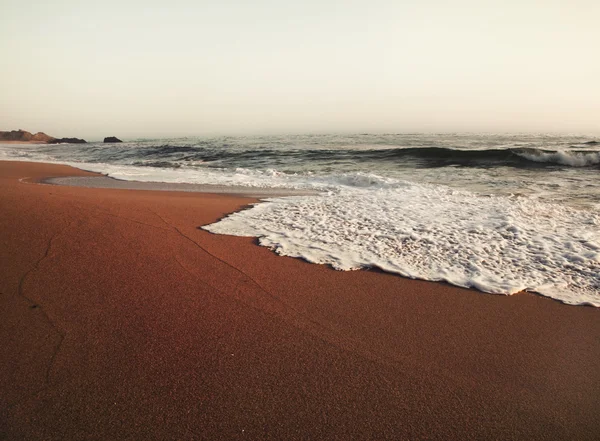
{"x": 499, "y": 213}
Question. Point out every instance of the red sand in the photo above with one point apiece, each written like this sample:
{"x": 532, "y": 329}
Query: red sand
{"x": 120, "y": 319}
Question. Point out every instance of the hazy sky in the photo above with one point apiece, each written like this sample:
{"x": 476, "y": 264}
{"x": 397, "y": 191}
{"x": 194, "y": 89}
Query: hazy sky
{"x": 147, "y": 68}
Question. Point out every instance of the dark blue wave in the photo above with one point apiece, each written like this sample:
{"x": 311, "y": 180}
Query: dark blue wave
{"x": 171, "y": 156}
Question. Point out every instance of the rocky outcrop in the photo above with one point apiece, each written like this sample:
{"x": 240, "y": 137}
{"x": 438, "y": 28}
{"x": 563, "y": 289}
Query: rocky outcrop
{"x": 39, "y": 137}
{"x": 24, "y": 136}
{"x": 112, "y": 139}
{"x": 67, "y": 141}
{"x": 15, "y": 135}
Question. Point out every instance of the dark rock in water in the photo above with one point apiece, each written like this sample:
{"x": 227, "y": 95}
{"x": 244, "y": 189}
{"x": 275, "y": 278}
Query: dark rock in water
{"x": 112, "y": 139}
{"x": 591, "y": 142}
{"x": 67, "y": 141}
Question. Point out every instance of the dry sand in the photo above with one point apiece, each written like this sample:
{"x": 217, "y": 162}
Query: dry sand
{"x": 120, "y": 319}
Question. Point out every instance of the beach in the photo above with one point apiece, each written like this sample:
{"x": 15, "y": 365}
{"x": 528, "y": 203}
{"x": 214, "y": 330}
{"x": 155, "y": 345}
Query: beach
{"x": 122, "y": 319}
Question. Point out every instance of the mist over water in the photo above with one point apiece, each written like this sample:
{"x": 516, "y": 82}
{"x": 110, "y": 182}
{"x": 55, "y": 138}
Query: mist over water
{"x": 501, "y": 213}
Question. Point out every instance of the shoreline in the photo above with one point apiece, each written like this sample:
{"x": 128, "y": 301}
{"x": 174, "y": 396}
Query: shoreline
{"x": 101, "y": 180}
{"x": 121, "y": 319}
{"x": 104, "y": 181}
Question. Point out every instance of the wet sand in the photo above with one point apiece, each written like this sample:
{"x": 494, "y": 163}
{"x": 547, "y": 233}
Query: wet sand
{"x": 108, "y": 182}
{"x": 120, "y": 319}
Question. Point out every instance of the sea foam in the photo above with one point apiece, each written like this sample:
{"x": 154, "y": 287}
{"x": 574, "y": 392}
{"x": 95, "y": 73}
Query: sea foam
{"x": 561, "y": 157}
{"x": 495, "y": 244}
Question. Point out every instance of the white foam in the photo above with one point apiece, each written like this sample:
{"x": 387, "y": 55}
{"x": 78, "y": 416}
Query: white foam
{"x": 563, "y": 157}
{"x": 241, "y": 177}
{"x": 495, "y": 244}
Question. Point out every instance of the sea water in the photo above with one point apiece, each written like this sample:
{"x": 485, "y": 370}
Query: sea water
{"x": 499, "y": 213}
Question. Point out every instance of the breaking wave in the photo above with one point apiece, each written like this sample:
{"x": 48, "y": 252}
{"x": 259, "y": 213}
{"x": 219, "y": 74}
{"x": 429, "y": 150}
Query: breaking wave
{"x": 569, "y": 158}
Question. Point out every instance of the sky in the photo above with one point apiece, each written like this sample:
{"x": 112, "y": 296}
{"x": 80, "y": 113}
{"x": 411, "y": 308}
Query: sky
{"x": 185, "y": 68}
